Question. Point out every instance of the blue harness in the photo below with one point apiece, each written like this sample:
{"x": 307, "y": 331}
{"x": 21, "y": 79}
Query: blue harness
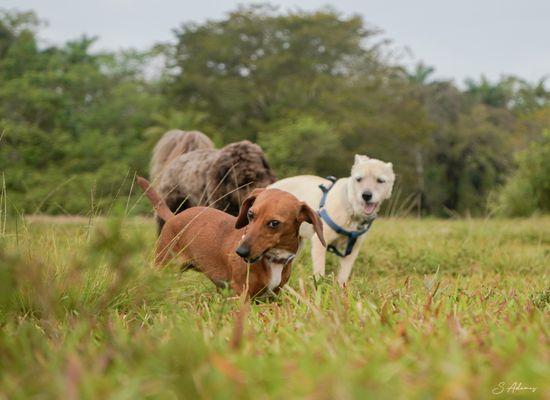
{"x": 351, "y": 235}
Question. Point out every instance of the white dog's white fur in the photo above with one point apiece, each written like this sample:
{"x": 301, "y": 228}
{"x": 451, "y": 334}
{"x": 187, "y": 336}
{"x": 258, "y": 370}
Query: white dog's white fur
{"x": 345, "y": 204}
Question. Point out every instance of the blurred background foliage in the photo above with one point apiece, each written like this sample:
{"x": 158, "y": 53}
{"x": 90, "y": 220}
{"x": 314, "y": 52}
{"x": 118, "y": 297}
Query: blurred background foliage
{"x": 313, "y": 88}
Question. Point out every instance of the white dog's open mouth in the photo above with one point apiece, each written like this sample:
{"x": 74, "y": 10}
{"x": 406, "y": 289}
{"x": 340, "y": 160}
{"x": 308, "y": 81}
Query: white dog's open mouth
{"x": 369, "y": 208}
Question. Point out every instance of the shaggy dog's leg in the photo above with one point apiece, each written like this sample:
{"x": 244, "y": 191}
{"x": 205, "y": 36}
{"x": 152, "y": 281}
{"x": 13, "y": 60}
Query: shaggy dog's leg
{"x": 346, "y": 264}
{"x": 318, "y": 256}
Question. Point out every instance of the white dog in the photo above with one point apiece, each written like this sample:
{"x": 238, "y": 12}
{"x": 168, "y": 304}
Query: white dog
{"x": 350, "y": 206}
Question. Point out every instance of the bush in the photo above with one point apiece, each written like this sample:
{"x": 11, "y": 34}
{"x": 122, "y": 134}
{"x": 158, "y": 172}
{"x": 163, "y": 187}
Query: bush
{"x": 528, "y": 189}
{"x": 301, "y": 146}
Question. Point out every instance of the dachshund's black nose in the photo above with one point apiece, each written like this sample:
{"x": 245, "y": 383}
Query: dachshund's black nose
{"x": 367, "y": 195}
{"x": 243, "y": 251}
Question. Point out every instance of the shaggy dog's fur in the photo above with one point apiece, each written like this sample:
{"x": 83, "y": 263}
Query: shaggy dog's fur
{"x": 188, "y": 171}
{"x": 174, "y": 143}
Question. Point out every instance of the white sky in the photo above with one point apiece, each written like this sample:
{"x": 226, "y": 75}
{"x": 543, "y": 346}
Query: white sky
{"x": 460, "y": 38}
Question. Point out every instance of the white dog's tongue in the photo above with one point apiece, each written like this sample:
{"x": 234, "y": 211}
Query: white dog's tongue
{"x": 369, "y": 208}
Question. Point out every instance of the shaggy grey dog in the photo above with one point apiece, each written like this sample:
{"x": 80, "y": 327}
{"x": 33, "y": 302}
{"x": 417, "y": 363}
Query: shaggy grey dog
{"x": 173, "y": 144}
{"x": 188, "y": 171}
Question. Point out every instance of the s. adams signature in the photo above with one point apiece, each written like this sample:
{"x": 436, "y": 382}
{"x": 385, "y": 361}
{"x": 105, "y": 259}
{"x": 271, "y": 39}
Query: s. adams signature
{"x": 514, "y": 387}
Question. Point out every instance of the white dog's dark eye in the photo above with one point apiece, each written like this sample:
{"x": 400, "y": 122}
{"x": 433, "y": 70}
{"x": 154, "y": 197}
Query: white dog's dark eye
{"x": 359, "y": 179}
{"x": 273, "y": 224}
{"x": 250, "y": 215}
{"x": 380, "y": 180}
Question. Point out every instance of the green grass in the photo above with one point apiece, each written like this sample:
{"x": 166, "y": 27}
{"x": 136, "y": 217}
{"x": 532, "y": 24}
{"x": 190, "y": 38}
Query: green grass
{"x": 434, "y": 309}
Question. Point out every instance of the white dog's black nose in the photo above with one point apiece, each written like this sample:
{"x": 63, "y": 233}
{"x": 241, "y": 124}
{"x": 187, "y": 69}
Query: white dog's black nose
{"x": 367, "y": 195}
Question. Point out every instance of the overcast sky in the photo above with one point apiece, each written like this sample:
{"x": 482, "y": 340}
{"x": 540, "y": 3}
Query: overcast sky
{"x": 461, "y": 38}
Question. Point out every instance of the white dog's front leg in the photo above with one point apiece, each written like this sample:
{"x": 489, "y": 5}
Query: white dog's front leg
{"x": 318, "y": 256}
{"x": 346, "y": 264}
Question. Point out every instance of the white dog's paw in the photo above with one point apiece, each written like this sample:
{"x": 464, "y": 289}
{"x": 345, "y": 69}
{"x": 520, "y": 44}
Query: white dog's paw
{"x": 342, "y": 284}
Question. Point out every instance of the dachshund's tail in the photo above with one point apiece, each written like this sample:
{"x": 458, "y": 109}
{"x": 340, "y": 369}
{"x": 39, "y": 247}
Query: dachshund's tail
{"x": 159, "y": 205}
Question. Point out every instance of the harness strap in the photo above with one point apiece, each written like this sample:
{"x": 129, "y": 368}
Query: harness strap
{"x": 325, "y": 191}
{"x": 351, "y": 235}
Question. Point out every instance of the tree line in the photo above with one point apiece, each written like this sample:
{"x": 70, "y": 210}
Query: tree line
{"x": 312, "y": 88}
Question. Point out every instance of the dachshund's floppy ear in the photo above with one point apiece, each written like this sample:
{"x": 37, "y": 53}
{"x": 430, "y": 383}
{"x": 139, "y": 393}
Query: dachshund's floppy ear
{"x": 242, "y": 218}
{"x": 307, "y": 214}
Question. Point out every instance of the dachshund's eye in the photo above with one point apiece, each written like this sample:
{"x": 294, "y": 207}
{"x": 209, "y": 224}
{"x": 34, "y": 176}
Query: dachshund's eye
{"x": 273, "y": 224}
{"x": 250, "y": 215}
{"x": 381, "y": 180}
{"x": 359, "y": 178}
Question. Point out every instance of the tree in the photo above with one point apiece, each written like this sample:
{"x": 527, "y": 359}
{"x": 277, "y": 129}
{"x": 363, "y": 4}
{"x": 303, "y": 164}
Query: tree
{"x": 256, "y": 65}
{"x": 421, "y": 73}
{"x": 262, "y": 71}
{"x": 464, "y": 165}
{"x": 70, "y": 120}
{"x": 313, "y": 88}
{"x": 509, "y": 92}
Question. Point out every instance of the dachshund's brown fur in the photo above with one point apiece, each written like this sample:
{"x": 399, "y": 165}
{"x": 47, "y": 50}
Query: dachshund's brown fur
{"x": 207, "y": 239}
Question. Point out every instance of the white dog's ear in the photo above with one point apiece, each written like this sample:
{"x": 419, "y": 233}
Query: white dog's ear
{"x": 359, "y": 158}
{"x": 390, "y": 165}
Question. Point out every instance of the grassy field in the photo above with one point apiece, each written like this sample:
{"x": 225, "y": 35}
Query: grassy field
{"x": 435, "y": 309}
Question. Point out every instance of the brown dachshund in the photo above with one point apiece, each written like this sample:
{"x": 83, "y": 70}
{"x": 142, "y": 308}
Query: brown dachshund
{"x": 252, "y": 252}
